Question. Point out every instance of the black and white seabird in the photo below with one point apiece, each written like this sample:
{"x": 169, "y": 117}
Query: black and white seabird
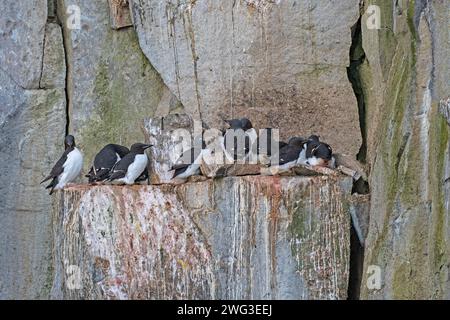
{"x": 316, "y": 153}
{"x": 105, "y": 160}
{"x": 68, "y": 167}
{"x": 131, "y": 166}
{"x": 288, "y": 154}
{"x": 243, "y": 123}
{"x": 235, "y": 152}
{"x": 266, "y": 141}
{"x": 188, "y": 164}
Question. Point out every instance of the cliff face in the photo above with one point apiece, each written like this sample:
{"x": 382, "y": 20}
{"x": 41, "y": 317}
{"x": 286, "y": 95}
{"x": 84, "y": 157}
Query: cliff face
{"x": 404, "y": 71}
{"x": 32, "y": 115}
{"x": 233, "y": 238}
{"x": 300, "y": 66}
{"x": 283, "y": 64}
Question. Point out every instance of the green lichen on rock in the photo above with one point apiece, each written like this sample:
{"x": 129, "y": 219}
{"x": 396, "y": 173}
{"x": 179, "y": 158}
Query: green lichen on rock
{"x": 407, "y": 233}
{"x": 314, "y": 216}
{"x": 126, "y": 88}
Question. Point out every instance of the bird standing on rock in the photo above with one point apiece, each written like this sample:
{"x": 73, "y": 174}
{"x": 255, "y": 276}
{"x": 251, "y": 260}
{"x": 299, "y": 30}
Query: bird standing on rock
{"x": 188, "y": 164}
{"x": 105, "y": 160}
{"x": 131, "y": 166}
{"x": 68, "y": 167}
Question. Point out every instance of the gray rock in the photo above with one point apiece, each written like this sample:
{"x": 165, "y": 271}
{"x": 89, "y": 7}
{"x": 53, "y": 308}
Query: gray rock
{"x": 111, "y": 84}
{"x": 32, "y": 129}
{"x": 169, "y": 135}
{"x": 31, "y": 140}
{"x": 444, "y": 109}
{"x": 54, "y": 64}
{"x": 22, "y": 30}
{"x": 119, "y": 14}
{"x": 404, "y": 78}
{"x": 360, "y": 214}
{"x": 234, "y": 238}
{"x": 281, "y": 63}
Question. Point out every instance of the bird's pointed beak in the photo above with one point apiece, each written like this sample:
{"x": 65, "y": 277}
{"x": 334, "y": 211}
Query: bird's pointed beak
{"x": 148, "y": 146}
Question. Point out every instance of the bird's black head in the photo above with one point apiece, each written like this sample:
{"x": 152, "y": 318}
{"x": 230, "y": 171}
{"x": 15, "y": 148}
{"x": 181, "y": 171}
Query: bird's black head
{"x": 69, "y": 142}
{"x": 322, "y": 151}
{"x": 313, "y": 138}
{"x": 139, "y": 147}
{"x": 246, "y": 124}
{"x": 296, "y": 141}
{"x": 234, "y": 124}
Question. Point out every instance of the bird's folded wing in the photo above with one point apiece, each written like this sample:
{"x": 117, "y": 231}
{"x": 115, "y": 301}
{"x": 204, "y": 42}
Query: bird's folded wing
{"x": 58, "y": 168}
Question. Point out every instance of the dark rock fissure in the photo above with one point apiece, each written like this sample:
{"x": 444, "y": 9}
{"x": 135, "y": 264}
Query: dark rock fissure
{"x": 356, "y": 266}
{"x": 357, "y": 58}
{"x": 53, "y": 5}
{"x": 43, "y": 57}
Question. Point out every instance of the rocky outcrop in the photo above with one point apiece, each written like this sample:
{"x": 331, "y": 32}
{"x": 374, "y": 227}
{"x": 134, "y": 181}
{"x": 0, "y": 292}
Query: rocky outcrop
{"x": 404, "y": 73}
{"x": 233, "y": 238}
{"x": 32, "y": 124}
{"x": 281, "y": 63}
{"x": 22, "y": 33}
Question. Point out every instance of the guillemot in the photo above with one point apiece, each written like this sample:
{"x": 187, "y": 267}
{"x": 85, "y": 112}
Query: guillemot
{"x": 235, "y": 150}
{"x": 131, "y": 166}
{"x": 105, "y": 160}
{"x": 316, "y": 153}
{"x": 67, "y": 168}
{"x": 188, "y": 164}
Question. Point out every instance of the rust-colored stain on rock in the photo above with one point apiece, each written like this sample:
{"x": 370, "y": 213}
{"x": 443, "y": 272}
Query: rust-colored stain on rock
{"x": 230, "y": 238}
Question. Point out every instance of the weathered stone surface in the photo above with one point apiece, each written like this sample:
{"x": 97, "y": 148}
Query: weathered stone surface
{"x": 119, "y": 12}
{"x": 404, "y": 76}
{"x": 54, "y": 65}
{"x": 233, "y": 238}
{"x": 360, "y": 213}
{"x": 32, "y": 128}
{"x": 31, "y": 140}
{"x": 444, "y": 109}
{"x": 283, "y": 64}
{"x": 350, "y": 166}
{"x": 111, "y": 84}
{"x": 229, "y": 170}
{"x": 22, "y": 30}
{"x": 170, "y": 135}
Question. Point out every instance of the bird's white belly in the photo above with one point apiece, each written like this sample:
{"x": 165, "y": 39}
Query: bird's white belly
{"x": 192, "y": 170}
{"x": 302, "y": 157}
{"x": 72, "y": 168}
{"x": 136, "y": 168}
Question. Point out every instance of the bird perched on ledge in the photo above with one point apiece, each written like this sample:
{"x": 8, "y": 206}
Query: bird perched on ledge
{"x": 188, "y": 164}
{"x": 316, "y": 153}
{"x": 131, "y": 166}
{"x": 233, "y": 149}
{"x": 105, "y": 160}
{"x": 68, "y": 167}
{"x": 289, "y": 154}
